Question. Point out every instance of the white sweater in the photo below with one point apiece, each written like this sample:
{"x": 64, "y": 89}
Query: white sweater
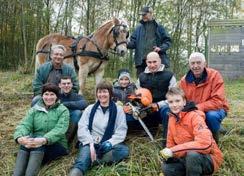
{"x": 99, "y": 125}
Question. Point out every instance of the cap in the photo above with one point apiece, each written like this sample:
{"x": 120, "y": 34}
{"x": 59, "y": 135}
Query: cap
{"x": 126, "y": 74}
{"x": 145, "y": 10}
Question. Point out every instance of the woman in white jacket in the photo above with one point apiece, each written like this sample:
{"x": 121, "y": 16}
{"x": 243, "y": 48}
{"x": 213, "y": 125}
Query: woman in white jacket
{"x": 101, "y": 132}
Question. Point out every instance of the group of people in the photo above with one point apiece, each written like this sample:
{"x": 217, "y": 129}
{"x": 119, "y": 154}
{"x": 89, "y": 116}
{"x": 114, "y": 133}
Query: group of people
{"x": 190, "y": 112}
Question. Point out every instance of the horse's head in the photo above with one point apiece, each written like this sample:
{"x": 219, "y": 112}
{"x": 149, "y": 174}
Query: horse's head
{"x": 119, "y": 35}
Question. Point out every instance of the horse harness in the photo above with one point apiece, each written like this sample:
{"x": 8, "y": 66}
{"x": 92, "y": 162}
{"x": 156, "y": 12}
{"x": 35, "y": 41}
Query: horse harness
{"x": 83, "y": 52}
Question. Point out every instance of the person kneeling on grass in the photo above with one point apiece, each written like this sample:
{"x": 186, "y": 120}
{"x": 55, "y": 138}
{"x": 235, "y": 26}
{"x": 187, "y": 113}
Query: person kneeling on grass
{"x": 191, "y": 149}
{"x": 41, "y": 134}
{"x": 101, "y": 131}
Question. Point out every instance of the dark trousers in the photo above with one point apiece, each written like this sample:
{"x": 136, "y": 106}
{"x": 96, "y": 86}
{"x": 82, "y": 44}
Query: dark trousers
{"x": 193, "y": 164}
{"x": 51, "y": 152}
{"x": 141, "y": 68}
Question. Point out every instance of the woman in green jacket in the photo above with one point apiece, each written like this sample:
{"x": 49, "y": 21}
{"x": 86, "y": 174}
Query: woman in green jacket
{"x": 41, "y": 134}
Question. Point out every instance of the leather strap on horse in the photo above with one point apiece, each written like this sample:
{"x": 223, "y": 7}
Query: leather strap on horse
{"x": 92, "y": 54}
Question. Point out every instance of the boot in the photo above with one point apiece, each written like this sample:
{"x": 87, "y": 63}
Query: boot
{"x": 75, "y": 172}
{"x": 216, "y": 136}
{"x": 70, "y": 134}
{"x": 21, "y": 163}
{"x": 34, "y": 163}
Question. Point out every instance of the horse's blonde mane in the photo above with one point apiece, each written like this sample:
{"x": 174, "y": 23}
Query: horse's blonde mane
{"x": 106, "y": 26}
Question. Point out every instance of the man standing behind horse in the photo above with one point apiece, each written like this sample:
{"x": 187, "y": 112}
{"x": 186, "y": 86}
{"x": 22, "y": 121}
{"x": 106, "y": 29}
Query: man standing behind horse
{"x": 149, "y": 36}
{"x": 51, "y": 72}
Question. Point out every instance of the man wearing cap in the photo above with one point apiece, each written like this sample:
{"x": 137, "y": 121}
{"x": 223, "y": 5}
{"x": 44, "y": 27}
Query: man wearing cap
{"x": 149, "y": 36}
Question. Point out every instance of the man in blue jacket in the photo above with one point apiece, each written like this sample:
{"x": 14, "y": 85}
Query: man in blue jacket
{"x": 149, "y": 36}
{"x": 74, "y": 102}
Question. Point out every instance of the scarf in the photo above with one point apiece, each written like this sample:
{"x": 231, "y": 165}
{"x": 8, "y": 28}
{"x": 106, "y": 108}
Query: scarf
{"x": 111, "y": 121}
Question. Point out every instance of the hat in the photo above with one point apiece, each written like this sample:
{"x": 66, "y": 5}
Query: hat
{"x": 122, "y": 74}
{"x": 145, "y": 10}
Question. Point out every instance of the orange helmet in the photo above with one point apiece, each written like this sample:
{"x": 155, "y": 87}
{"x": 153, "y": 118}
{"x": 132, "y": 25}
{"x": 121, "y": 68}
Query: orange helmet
{"x": 144, "y": 95}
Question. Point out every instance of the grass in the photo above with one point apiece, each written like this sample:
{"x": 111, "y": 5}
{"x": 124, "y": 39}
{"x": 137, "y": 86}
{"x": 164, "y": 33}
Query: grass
{"x": 15, "y": 97}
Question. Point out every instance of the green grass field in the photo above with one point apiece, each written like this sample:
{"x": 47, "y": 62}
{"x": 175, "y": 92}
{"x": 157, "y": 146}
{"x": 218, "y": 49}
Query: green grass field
{"x": 15, "y": 98}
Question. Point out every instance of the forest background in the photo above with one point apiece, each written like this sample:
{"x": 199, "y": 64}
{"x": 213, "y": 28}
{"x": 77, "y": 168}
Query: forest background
{"x": 24, "y": 22}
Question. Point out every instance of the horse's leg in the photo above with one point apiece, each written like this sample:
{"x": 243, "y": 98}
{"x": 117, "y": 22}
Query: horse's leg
{"x": 83, "y": 73}
{"x": 99, "y": 76}
{"x": 39, "y": 60}
{"x": 100, "y": 72}
{"x": 70, "y": 61}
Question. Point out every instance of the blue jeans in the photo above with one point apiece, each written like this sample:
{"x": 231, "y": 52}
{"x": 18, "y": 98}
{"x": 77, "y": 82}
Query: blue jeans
{"x": 193, "y": 164}
{"x": 165, "y": 119}
{"x": 83, "y": 160}
{"x": 51, "y": 152}
{"x": 75, "y": 116}
{"x": 214, "y": 119}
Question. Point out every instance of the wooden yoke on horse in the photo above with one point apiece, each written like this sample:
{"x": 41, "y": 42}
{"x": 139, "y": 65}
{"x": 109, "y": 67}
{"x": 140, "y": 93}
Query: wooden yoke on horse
{"x": 91, "y": 53}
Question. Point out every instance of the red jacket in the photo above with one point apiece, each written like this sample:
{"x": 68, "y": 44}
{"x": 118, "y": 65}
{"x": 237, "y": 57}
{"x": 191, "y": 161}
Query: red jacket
{"x": 208, "y": 95}
{"x": 190, "y": 133}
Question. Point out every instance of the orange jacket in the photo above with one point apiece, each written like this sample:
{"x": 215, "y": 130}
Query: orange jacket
{"x": 208, "y": 95}
{"x": 190, "y": 133}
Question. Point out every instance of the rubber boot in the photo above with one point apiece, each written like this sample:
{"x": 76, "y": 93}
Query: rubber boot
{"x": 34, "y": 164}
{"x": 70, "y": 134}
{"x": 75, "y": 172}
{"x": 21, "y": 163}
{"x": 216, "y": 137}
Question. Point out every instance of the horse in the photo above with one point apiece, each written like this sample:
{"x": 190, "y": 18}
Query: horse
{"x": 87, "y": 54}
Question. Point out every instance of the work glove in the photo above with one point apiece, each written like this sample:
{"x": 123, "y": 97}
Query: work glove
{"x": 166, "y": 153}
{"x": 154, "y": 107}
{"x": 105, "y": 147}
{"x": 119, "y": 103}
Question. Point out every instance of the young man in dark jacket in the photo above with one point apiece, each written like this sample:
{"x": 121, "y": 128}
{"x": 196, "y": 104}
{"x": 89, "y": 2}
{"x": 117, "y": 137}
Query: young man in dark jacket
{"x": 74, "y": 102}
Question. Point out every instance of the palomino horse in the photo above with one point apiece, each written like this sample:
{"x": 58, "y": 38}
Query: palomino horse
{"x": 89, "y": 54}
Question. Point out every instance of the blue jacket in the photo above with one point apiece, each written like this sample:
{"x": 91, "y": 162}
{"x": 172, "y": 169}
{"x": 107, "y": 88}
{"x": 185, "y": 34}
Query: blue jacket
{"x": 43, "y": 73}
{"x": 73, "y": 101}
{"x": 163, "y": 41}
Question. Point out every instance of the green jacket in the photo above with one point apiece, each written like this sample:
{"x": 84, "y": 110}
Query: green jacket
{"x": 51, "y": 124}
{"x": 42, "y": 74}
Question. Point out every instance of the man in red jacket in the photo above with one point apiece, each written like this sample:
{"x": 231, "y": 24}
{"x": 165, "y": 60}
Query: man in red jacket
{"x": 205, "y": 86}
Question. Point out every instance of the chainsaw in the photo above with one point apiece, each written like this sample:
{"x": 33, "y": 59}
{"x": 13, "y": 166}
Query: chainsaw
{"x": 139, "y": 104}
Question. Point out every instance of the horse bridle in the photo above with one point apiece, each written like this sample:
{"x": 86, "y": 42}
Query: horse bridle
{"x": 115, "y": 35}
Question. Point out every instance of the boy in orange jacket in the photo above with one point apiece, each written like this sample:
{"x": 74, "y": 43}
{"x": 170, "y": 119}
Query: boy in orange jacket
{"x": 191, "y": 149}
